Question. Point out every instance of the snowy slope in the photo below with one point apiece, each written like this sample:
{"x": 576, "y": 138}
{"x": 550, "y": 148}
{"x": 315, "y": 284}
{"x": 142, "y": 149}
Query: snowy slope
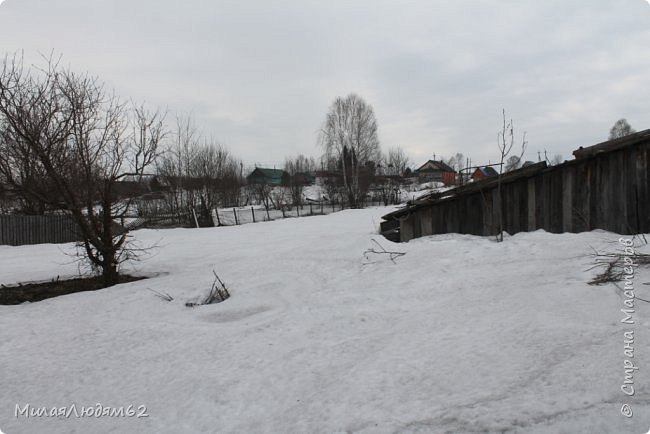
{"x": 462, "y": 334}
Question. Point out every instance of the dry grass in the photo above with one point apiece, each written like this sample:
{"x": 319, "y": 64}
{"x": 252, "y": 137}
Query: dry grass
{"x": 613, "y": 264}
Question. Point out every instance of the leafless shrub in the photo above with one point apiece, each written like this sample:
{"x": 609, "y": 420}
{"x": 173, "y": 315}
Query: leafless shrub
{"x": 218, "y": 293}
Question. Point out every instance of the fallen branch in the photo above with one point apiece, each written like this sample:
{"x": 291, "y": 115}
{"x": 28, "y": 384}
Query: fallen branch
{"x": 391, "y": 255}
{"x": 614, "y": 264}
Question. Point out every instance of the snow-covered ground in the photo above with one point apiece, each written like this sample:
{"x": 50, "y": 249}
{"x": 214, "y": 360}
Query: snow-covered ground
{"x": 461, "y": 334}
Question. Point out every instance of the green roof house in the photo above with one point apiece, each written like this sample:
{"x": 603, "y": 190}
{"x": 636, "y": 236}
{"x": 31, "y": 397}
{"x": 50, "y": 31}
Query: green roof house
{"x": 268, "y": 176}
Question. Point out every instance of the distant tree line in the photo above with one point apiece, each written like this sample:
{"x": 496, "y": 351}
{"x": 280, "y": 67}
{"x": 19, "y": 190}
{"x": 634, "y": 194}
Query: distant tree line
{"x": 197, "y": 174}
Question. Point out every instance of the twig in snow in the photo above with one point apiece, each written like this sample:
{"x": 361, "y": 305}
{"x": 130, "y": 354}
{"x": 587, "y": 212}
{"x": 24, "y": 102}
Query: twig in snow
{"x": 162, "y": 295}
{"x": 217, "y": 294}
{"x": 614, "y": 265}
{"x": 391, "y": 255}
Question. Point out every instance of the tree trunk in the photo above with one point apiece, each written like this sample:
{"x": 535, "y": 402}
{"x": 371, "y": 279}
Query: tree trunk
{"x": 110, "y": 275}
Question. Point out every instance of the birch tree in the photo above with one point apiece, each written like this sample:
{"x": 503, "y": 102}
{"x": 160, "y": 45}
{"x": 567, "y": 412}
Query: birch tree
{"x": 620, "y": 129}
{"x": 349, "y": 136}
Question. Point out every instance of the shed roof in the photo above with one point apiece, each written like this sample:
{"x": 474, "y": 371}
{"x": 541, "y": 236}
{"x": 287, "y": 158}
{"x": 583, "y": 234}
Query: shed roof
{"x": 612, "y": 145}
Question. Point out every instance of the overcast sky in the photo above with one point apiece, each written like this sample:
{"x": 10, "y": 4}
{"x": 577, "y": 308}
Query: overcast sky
{"x": 259, "y": 76}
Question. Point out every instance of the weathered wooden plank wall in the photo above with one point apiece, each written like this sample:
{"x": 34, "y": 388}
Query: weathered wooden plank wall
{"x": 16, "y": 230}
{"x": 608, "y": 191}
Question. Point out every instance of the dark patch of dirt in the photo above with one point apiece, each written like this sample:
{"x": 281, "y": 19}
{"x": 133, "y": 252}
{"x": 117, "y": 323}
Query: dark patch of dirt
{"x": 32, "y": 292}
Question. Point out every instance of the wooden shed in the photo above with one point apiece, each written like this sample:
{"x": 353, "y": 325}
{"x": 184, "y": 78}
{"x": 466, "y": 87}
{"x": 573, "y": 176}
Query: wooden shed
{"x": 604, "y": 187}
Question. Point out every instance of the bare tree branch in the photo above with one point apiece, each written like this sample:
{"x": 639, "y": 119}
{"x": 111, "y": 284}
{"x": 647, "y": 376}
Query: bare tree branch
{"x": 65, "y": 144}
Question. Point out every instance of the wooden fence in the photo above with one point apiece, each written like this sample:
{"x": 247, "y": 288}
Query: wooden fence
{"x": 243, "y": 215}
{"x": 605, "y": 187}
{"x": 237, "y": 215}
{"x": 16, "y": 230}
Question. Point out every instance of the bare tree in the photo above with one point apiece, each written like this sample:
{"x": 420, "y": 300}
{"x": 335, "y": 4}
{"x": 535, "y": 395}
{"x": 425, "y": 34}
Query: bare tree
{"x": 262, "y": 193}
{"x": 396, "y": 161}
{"x": 387, "y": 182}
{"x": 34, "y": 186}
{"x": 557, "y": 159}
{"x": 388, "y": 188}
{"x": 81, "y": 141}
{"x": 349, "y": 135}
{"x": 216, "y": 175}
{"x": 513, "y": 163}
{"x": 505, "y": 143}
{"x": 457, "y": 162}
{"x": 279, "y": 198}
{"x": 198, "y": 173}
{"x": 174, "y": 168}
{"x": 298, "y": 169}
{"x": 620, "y": 129}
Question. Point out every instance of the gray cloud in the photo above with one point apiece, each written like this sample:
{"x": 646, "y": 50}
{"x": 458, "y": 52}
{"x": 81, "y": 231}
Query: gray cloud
{"x": 259, "y": 76}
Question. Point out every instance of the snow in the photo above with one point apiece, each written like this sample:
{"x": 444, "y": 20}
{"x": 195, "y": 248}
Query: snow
{"x": 314, "y": 193}
{"x": 461, "y": 334}
{"x": 418, "y": 191}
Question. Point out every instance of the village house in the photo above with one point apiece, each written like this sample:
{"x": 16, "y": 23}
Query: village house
{"x": 268, "y": 177}
{"x": 483, "y": 172}
{"x": 436, "y": 171}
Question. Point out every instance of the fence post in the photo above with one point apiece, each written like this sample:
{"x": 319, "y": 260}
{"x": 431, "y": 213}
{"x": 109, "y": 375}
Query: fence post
{"x": 215, "y": 217}
{"x": 282, "y": 209}
{"x": 195, "y": 219}
{"x": 253, "y": 214}
{"x": 234, "y": 211}
{"x": 311, "y": 210}
{"x": 298, "y": 210}
{"x": 216, "y": 211}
